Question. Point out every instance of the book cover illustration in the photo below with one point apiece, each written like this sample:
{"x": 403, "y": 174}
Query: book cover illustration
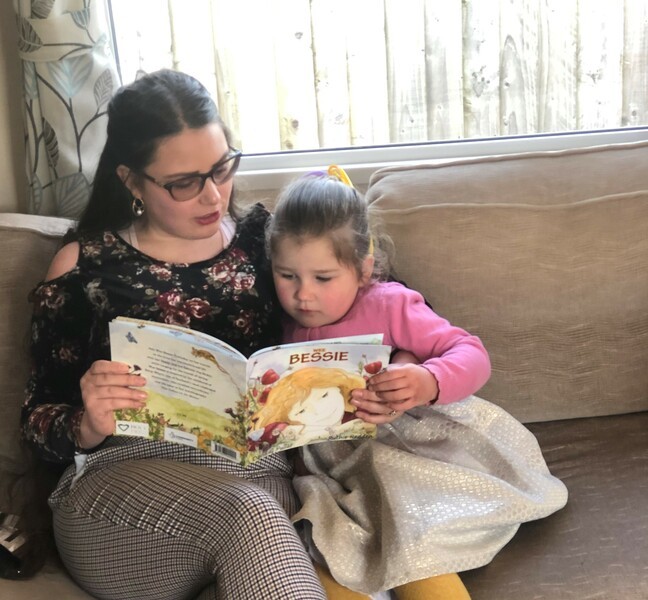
{"x": 206, "y": 394}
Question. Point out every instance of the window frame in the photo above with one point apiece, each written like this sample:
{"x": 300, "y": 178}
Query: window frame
{"x": 270, "y": 171}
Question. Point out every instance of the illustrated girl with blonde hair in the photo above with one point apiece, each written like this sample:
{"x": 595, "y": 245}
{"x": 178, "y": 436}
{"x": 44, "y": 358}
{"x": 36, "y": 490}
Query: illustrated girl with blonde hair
{"x": 310, "y": 396}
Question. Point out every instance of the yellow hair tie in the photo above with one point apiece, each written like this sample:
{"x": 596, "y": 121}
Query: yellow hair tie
{"x": 340, "y": 173}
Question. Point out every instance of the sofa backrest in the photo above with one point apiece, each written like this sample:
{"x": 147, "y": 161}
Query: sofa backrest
{"x": 27, "y": 245}
{"x": 545, "y": 257}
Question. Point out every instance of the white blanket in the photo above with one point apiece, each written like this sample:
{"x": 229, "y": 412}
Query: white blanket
{"x": 441, "y": 490}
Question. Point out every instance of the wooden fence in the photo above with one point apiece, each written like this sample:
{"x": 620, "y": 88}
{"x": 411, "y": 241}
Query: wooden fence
{"x": 303, "y": 74}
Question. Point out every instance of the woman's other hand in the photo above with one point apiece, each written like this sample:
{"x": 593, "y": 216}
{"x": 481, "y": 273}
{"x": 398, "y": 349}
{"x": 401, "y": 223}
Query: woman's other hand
{"x": 105, "y": 387}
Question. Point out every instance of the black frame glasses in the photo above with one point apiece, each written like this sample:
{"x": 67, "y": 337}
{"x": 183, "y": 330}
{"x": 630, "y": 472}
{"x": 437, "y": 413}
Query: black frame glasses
{"x": 189, "y": 187}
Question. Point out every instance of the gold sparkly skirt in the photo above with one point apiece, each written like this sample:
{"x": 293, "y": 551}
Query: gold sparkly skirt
{"x": 442, "y": 489}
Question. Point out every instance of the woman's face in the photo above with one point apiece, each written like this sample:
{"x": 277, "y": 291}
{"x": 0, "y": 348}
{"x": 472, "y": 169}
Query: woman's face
{"x": 190, "y": 152}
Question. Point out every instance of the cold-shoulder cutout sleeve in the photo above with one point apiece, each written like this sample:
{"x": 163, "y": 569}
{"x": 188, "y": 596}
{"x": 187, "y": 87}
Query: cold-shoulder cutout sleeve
{"x": 64, "y": 261}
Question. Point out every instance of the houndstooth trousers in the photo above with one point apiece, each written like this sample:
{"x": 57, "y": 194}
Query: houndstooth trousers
{"x": 154, "y": 520}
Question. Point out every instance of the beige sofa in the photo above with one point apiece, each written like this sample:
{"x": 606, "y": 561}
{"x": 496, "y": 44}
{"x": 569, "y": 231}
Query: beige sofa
{"x": 543, "y": 255}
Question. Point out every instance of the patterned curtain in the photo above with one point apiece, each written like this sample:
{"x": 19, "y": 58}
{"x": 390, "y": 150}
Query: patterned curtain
{"x": 69, "y": 75}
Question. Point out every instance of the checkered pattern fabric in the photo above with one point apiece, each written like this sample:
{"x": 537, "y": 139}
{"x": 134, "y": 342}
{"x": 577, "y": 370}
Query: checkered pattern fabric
{"x": 187, "y": 525}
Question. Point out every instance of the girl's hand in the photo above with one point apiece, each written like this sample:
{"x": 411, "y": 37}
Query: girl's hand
{"x": 105, "y": 387}
{"x": 371, "y": 408}
{"x": 404, "y": 386}
{"x": 389, "y": 394}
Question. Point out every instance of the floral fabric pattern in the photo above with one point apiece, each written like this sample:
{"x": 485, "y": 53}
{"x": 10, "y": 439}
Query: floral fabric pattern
{"x": 230, "y": 296}
{"x": 69, "y": 75}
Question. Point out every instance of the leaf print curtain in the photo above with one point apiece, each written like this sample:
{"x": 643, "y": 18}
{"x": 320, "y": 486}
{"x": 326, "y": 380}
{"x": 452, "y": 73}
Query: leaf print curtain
{"x": 69, "y": 76}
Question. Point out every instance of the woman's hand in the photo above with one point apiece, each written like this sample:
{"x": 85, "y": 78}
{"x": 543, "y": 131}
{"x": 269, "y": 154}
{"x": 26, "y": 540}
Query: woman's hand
{"x": 105, "y": 387}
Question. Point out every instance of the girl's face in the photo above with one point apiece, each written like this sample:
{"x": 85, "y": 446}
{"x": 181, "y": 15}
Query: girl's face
{"x": 190, "y": 152}
{"x": 313, "y": 287}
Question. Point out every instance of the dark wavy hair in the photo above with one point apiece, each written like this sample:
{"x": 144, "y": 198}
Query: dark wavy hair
{"x": 140, "y": 115}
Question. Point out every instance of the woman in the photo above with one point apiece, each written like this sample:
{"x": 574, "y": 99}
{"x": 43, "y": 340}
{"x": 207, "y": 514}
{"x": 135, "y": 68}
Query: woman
{"x": 161, "y": 240}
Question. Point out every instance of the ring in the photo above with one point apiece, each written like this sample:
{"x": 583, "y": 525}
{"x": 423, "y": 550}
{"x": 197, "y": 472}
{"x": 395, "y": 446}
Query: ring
{"x": 393, "y": 413}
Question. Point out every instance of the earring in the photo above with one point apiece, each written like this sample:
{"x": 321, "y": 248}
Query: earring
{"x": 137, "y": 207}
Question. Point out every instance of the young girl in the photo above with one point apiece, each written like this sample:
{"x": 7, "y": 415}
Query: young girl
{"x": 441, "y": 489}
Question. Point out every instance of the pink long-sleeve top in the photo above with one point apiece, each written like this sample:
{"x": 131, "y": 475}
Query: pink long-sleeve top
{"x": 456, "y": 358}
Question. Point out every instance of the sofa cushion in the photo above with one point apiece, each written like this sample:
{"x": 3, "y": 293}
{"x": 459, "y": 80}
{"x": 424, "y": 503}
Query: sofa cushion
{"x": 541, "y": 178}
{"x": 596, "y": 546}
{"x": 27, "y": 244}
{"x": 558, "y": 292}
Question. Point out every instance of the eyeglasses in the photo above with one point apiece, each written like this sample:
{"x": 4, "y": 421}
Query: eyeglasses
{"x": 189, "y": 187}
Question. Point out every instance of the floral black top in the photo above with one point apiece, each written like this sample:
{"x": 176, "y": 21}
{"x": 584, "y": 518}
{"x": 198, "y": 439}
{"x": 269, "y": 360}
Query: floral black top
{"x": 230, "y": 296}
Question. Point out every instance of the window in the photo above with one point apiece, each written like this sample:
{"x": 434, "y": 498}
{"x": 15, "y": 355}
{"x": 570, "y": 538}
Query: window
{"x": 364, "y": 82}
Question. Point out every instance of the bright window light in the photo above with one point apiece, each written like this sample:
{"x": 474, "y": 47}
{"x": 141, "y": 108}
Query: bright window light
{"x": 365, "y": 83}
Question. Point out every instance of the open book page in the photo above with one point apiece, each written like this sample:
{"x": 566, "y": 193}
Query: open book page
{"x": 206, "y": 394}
{"x": 194, "y": 382}
{"x": 300, "y": 393}
{"x": 183, "y": 333}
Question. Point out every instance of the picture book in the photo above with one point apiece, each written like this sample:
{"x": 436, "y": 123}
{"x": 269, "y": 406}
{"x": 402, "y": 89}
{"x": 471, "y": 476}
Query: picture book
{"x": 204, "y": 393}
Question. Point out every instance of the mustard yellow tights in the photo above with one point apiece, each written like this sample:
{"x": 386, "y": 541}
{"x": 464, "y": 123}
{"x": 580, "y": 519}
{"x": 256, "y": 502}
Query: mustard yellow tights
{"x": 441, "y": 587}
